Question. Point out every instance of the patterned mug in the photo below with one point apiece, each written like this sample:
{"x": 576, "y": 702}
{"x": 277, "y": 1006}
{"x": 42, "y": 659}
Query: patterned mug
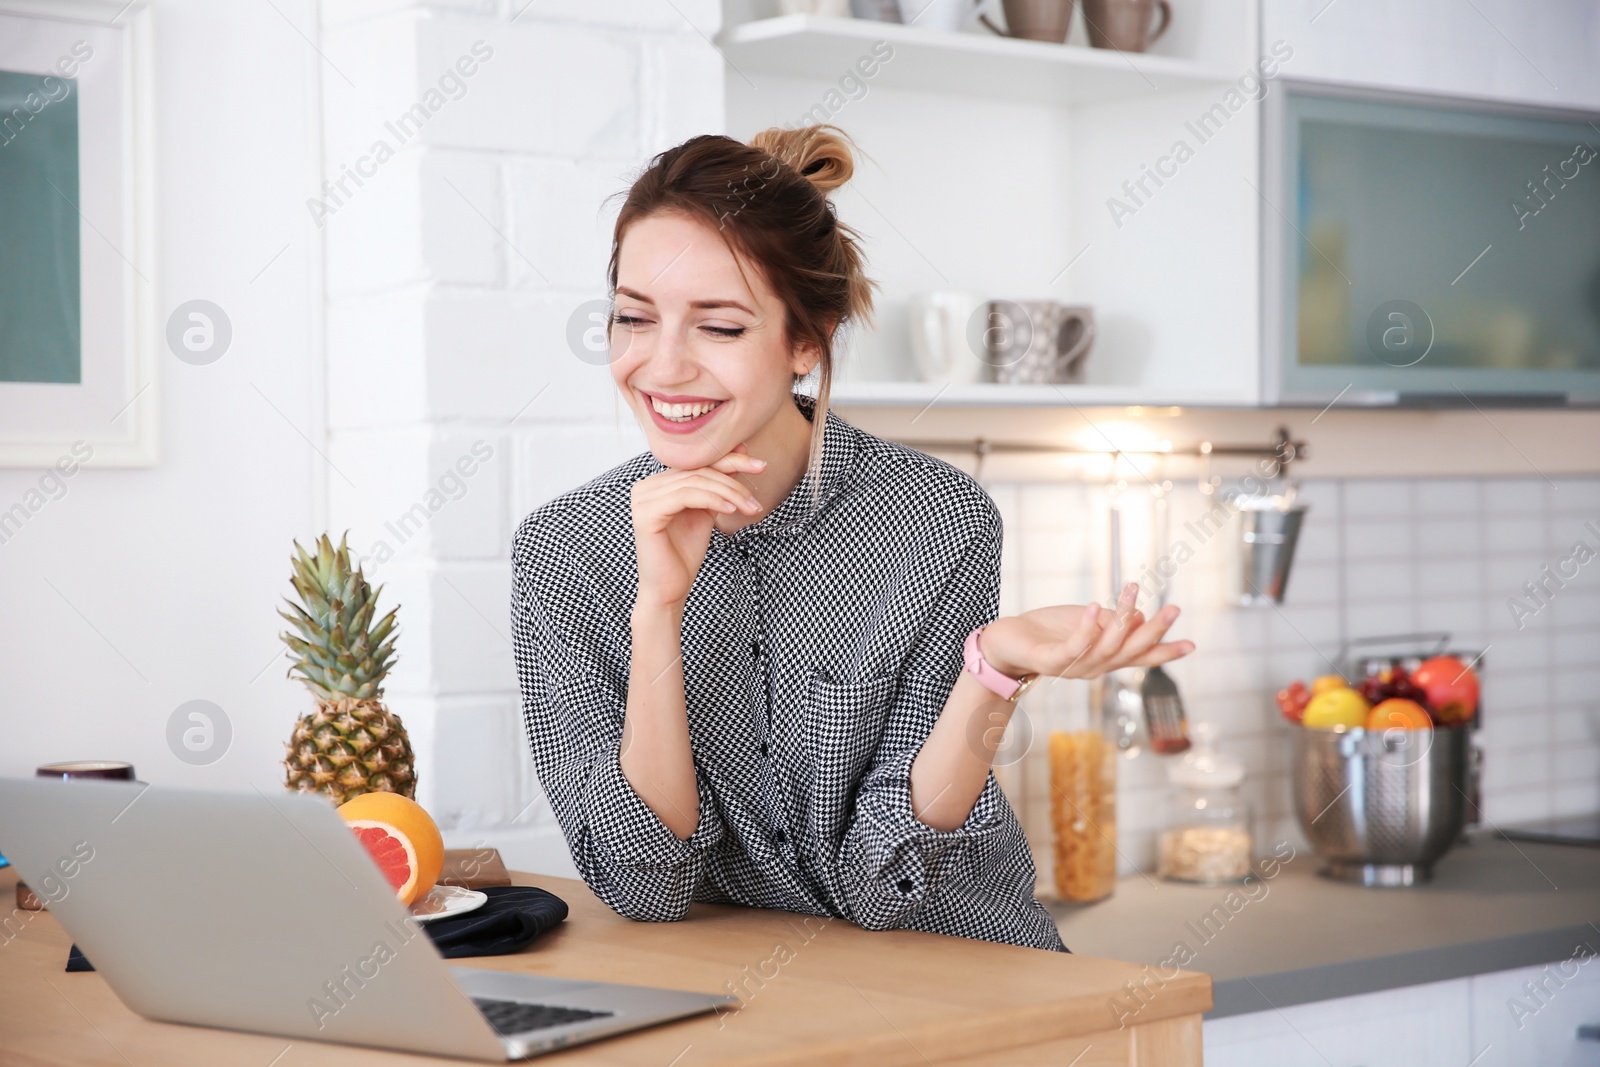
{"x": 1038, "y": 342}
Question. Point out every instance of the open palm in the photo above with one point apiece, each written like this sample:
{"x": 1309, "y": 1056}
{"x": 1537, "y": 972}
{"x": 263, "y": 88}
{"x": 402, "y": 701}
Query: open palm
{"x": 1073, "y": 641}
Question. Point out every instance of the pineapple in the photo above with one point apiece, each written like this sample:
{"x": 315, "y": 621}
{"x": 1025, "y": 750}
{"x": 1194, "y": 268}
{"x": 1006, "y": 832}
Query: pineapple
{"x": 351, "y": 744}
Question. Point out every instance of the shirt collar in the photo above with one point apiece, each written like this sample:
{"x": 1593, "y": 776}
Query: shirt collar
{"x": 840, "y": 443}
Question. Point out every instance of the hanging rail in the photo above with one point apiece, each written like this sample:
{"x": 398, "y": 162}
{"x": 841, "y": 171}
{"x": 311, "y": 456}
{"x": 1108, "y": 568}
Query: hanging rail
{"x": 1284, "y": 449}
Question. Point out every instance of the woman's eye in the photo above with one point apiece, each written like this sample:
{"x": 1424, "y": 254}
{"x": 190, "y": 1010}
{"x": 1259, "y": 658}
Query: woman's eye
{"x": 627, "y": 320}
{"x": 724, "y": 331}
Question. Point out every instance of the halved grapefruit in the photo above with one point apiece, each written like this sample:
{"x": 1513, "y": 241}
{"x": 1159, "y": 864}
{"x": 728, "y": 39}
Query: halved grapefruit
{"x": 402, "y": 839}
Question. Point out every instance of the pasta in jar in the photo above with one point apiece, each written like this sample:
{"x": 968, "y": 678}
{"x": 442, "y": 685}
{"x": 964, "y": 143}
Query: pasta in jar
{"x": 1083, "y": 819}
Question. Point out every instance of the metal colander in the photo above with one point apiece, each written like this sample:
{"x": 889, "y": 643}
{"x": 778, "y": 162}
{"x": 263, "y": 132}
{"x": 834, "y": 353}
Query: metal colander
{"x": 1381, "y": 806}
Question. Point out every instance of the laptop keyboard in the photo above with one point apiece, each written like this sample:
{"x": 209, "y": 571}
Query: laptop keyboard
{"x": 517, "y": 1017}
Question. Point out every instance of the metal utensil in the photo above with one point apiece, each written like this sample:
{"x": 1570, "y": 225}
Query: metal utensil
{"x": 1163, "y": 707}
{"x": 1163, "y": 712}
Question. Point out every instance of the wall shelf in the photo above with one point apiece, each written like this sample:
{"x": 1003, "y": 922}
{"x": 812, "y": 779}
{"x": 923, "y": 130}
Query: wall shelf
{"x": 967, "y": 63}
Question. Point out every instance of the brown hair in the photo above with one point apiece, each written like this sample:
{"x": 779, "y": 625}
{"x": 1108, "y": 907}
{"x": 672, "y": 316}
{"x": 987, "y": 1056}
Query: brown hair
{"x": 769, "y": 201}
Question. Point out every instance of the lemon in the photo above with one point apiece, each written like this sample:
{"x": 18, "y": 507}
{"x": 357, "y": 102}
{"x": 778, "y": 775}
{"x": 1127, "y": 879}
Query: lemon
{"x": 1337, "y": 708}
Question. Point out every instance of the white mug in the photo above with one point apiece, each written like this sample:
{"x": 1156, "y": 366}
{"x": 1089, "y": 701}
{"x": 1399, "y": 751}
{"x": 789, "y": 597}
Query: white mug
{"x": 942, "y": 335}
{"x": 940, "y": 14}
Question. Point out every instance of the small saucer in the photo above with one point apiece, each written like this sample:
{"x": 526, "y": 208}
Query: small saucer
{"x": 447, "y": 901}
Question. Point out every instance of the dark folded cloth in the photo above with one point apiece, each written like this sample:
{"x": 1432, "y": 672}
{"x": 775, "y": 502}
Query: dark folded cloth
{"x": 508, "y": 922}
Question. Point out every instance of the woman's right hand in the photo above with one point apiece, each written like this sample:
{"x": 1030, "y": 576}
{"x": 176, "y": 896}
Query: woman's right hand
{"x": 673, "y": 512}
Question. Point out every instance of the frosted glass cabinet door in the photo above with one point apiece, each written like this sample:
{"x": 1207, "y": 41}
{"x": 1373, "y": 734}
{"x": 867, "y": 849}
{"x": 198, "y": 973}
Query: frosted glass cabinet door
{"x": 1531, "y": 1016}
{"x": 1418, "y": 1026}
{"x": 1430, "y": 248}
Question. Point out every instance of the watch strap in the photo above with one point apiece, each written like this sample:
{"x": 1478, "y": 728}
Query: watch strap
{"x": 1001, "y": 685}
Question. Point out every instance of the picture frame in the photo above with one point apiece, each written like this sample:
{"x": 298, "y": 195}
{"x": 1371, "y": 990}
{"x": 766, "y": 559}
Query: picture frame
{"x": 78, "y": 329}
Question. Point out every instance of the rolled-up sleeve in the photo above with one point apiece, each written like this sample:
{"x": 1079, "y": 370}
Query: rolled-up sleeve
{"x": 896, "y": 862}
{"x": 574, "y": 718}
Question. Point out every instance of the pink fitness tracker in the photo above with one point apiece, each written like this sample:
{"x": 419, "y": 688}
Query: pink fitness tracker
{"x": 1003, "y": 686}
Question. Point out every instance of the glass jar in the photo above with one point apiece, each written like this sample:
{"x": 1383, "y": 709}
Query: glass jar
{"x": 1207, "y": 839}
{"x": 1068, "y": 774}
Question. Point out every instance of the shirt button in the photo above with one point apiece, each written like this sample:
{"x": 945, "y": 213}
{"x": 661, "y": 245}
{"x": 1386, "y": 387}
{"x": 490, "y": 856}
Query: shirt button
{"x": 778, "y": 836}
{"x": 755, "y": 648}
{"x": 763, "y": 748}
{"x": 904, "y": 885}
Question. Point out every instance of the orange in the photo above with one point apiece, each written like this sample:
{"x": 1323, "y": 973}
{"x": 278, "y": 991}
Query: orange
{"x": 1398, "y": 713}
{"x": 1325, "y": 682}
{"x": 402, "y": 839}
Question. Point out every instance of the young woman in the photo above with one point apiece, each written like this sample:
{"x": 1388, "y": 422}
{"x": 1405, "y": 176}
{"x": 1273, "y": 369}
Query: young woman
{"x": 761, "y": 662}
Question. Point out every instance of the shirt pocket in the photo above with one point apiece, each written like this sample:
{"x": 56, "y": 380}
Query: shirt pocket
{"x": 843, "y": 726}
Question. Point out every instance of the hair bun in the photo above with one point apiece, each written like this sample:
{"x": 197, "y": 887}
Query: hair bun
{"x": 820, "y": 153}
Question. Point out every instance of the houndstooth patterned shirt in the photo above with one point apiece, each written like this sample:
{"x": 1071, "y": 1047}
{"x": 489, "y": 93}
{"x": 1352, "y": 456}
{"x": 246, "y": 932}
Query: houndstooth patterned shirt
{"x": 819, "y": 647}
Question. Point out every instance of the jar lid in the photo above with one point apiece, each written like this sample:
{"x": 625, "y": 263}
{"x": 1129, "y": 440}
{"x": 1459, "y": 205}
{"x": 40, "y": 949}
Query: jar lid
{"x": 1203, "y": 767}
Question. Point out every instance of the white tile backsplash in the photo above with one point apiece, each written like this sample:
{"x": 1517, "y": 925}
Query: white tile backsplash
{"x": 1514, "y": 496}
{"x": 1574, "y": 496}
{"x": 1518, "y": 536}
{"x": 1450, "y": 496}
{"x": 1376, "y": 557}
{"x": 1377, "y": 498}
{"x": 1374, "y": 539}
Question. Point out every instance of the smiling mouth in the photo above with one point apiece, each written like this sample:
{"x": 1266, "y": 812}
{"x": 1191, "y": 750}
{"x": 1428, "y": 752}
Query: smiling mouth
{"x": 683, "y": 412}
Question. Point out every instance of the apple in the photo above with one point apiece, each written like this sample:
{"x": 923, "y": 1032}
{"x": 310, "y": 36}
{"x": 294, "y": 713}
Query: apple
{"x": 1450, "y": 689}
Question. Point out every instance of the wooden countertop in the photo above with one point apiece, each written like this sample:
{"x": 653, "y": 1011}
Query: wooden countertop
{"x": 814, "y": 990}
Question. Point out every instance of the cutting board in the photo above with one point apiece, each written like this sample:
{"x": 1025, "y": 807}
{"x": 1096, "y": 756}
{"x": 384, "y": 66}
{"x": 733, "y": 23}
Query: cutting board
{"x": 473, "y": 868}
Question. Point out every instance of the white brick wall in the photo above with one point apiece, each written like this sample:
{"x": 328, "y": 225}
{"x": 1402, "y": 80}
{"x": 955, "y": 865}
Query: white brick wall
{"x": 455, "y": 264}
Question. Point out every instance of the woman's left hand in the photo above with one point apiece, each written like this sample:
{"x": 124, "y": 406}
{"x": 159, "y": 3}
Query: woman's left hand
{"x": 1068, "y": 641}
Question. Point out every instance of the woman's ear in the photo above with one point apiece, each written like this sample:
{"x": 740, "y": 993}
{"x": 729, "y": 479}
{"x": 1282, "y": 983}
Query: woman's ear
{"x": 805, "y": 358}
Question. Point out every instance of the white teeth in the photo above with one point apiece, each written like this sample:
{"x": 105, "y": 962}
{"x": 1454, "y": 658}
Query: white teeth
{"x": 681, "y": 412}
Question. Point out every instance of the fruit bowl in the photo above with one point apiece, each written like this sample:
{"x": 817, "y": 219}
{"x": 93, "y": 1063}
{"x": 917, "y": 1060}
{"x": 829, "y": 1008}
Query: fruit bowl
{"x": 1381, "y": 806}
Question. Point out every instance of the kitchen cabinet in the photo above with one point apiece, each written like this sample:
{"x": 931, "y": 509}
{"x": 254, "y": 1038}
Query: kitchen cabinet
{"x": 1505, "y": 1019}
{"x": 1023, "y": 169}
{"x": 1500, "y": 49}
{"x": 1322, "y": 973}
{"x": 1130, "y": 183}
{"x": 1532, "y": 1015}
{"x": 1418, "y": 1026}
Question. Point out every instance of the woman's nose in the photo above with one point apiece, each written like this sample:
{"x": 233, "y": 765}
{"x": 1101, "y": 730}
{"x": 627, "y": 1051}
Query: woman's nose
{"x": 670, "y": 360}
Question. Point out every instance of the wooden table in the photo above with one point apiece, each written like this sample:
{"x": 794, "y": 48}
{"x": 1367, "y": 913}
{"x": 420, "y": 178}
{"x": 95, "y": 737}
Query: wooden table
{"x": 813, "y": 991}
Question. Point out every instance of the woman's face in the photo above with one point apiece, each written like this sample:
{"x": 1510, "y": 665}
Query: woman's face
{"x": 700, "y": 355}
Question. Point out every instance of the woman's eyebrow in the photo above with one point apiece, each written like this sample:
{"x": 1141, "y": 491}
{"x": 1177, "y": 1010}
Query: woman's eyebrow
{"x": 636, "y": 295}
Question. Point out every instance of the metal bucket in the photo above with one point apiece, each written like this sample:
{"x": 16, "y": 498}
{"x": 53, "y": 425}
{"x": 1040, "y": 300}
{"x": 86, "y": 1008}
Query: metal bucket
{"x": 1271, "y": 529}
{"x": 1381, "y": 806}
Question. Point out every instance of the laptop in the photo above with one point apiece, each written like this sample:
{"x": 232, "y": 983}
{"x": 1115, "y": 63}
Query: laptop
{"x": 263, "y": 913}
